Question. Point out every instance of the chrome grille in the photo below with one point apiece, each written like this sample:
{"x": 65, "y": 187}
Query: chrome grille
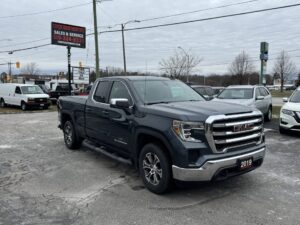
{"x": 41, "y": 100}
{"x": 230, "y": 132}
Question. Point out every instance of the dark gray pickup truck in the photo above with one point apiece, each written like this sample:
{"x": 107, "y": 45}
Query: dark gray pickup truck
{"x": 165, "y": 129}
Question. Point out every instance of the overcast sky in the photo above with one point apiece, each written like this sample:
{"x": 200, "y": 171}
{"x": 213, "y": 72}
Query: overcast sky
{"x": 216, "y": 41}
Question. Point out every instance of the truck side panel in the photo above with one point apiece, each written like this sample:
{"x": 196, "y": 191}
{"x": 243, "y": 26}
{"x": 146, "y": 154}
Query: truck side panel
{"x": 74, "y": 107}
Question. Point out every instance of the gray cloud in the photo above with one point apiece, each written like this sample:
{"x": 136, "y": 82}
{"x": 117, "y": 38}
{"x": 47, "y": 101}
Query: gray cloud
{"x": 217, "y": 41}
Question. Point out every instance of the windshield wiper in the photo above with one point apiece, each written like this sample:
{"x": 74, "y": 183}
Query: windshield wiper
{"x": 154, "y": 103}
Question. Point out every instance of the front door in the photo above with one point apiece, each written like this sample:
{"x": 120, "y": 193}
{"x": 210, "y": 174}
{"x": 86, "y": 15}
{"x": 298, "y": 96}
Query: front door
{"x": 120, "y": 121}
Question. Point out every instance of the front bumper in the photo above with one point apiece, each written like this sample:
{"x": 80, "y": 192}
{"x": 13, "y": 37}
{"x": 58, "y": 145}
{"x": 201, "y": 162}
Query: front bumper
{"x": 289, "y": 122}
{"x": 213, "y": 168}
{"x": 38, "y": 104}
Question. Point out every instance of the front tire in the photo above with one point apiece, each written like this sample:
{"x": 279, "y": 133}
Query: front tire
{"x": 23, "y": 106}
{"x": 70, "y": 137}
{"x": 2, "y": 103}
{"x": 282, "y": 130}
{"x": 268, "y": 116}
{"x": 155, "y": 169}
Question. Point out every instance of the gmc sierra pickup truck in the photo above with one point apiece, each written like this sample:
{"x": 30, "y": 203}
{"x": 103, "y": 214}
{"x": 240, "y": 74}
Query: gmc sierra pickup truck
{"x": 165, "y": 129}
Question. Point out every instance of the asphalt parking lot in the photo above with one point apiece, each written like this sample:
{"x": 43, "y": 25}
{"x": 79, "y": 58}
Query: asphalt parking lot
{"x": 41, "y": 182}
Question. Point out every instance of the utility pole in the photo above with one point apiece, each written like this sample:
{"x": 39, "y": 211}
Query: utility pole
{"x": 96, "y": 38}
{"x": 123, "y": 41}
{"x": 264, "y": 51}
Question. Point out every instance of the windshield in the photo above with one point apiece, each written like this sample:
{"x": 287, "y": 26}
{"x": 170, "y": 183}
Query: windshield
{"x": 158, "y": 91}
{"x": 31, "y": 90}
{"x": 236, "y": 93}
{"x": 295, "y": 97}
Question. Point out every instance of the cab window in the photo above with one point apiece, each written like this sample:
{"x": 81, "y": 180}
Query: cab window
{"x": 102, "y": 91}
{"x": 18, "y": 90}
{"x": 119, "y": 90}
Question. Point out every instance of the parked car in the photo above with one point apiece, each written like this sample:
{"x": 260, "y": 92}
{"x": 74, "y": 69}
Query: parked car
{"x": 254, "y": 96}
{"x": 290, "y": 88}
{"x": 23, "y": 95}
{"x": 206, "y": 91}
{"x": 62, "y": 89}
{"x": 86, "y": 90}
{"x": 165, "y": 129}
{"x": 290, "y": 113}
{"x": 217, "y": 90}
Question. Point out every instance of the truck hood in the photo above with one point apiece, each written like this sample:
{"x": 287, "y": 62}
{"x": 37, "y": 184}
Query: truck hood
{"x": 196, "y": 110}
{"x": 37, "y": 95}
{"x": 246, "y": 102}
{"x": 293, "y": 106}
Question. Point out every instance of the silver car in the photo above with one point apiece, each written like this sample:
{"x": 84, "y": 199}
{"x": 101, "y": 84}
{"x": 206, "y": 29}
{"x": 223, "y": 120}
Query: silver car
{"x": 248, "y": 95}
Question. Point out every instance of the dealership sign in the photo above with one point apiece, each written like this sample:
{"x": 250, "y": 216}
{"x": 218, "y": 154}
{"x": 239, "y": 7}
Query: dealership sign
{"x": 68, "y": 35}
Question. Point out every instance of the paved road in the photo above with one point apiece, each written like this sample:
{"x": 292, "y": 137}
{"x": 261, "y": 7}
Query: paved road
{"x": 41, "y": 182}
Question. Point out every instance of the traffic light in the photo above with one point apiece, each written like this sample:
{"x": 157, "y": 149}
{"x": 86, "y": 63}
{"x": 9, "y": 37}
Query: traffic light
{"x": 18, "y": 65}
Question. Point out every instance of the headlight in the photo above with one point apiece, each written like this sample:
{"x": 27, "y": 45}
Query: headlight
{"x": 184, "y": 130}
{"x": 30, "y": 99}
{"x": 287, "y": 112}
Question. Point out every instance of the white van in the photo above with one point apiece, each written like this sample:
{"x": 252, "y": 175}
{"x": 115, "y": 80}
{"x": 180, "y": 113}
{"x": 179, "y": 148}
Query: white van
{"x": 24, "y": 95}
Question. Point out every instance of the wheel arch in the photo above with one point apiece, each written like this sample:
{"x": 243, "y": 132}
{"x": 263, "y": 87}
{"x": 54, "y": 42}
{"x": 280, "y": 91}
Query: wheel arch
{"x": 145, "y": 136}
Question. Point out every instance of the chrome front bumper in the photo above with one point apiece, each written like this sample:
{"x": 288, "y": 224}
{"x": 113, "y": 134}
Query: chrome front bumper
{"x": 210, "y": 168}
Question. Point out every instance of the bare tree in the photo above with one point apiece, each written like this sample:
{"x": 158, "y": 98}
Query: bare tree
{"x": 31, "y": 69}
{"x": 284, "y": 66}
{"x": 242, "y": 67}
{"x": 180, "y": 64}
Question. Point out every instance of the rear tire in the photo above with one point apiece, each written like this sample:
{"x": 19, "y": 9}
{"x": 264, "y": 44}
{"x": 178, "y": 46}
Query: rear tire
{"x": 70, "y": 137}
{"x": 23, "y": 106}
{"x": 155, "y": 169}
{"x": 2, "y": 103}
{"x": 268, "y": 116}
{"x": 282, "y": 130}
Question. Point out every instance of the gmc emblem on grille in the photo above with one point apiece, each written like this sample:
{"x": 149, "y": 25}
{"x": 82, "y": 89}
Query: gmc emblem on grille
{"x": 242, "y": 127}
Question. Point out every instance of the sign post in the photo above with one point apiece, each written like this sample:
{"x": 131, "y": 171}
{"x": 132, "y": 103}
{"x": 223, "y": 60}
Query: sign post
{"x": 70, "y": 36}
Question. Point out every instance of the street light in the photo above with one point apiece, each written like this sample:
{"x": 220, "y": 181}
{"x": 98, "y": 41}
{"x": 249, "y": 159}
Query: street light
{"x": 187, "y": 64}
{"x": 123, "y": 41}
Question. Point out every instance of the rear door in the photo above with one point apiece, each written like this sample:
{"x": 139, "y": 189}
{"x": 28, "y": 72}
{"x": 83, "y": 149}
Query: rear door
{"x": 97, "y": 113}
{"x": 262, "y": 105}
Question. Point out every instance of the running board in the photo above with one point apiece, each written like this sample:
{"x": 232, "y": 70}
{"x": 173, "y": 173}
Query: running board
{"x": 102, "y": 150}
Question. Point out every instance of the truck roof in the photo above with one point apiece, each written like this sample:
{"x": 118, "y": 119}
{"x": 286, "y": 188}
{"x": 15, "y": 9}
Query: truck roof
{"x": 132, "y": 78}
{"x": 20, "y": 85}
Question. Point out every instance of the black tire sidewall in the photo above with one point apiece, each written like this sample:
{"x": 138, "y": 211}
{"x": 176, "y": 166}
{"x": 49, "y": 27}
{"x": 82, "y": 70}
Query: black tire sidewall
{"x": 2, "y": 103}
{"x": 71, "y": 145}
{"x": 267, "y": 115}
{"x": 165, "y": 182}
{"x": 23, "y": 106}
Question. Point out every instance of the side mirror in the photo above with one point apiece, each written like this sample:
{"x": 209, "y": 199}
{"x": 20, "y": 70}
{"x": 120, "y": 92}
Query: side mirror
{"x": 260, "y": 98}
{"x": 285, "y": 99}
{"x": 120, "y": 103}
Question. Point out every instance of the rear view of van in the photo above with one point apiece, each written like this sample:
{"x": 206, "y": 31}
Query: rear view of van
{"x": 24, "y": 95}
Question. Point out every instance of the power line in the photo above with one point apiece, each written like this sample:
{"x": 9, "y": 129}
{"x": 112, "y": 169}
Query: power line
{"x": 24, "y": 49}
{"x": 44, "y": 12}
{"x": 204, "y": 19}
{"x": 175, "y": 23}
{"x": 27, "y": 42}
{"x": 199, "y": 10}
